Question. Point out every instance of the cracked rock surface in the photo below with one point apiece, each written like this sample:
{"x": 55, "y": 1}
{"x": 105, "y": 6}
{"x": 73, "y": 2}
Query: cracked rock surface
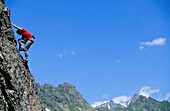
{"x": 14, "y": 94}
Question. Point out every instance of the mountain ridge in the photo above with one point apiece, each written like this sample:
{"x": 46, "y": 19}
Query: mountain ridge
{"x": 109, "y": 105}
{"x": 139, "y": 103}
{"x": 65, "y": 97}
{"x": 136, "y": 103}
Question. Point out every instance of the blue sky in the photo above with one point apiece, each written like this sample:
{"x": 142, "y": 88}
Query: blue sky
{"x": 106, "y": 48}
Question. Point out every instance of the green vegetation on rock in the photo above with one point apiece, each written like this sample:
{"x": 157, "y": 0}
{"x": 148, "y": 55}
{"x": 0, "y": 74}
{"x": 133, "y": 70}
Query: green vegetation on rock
{"x": 102, "y": 109}
{"x": 146, "y": 104}
{"x": 65, "y": 97}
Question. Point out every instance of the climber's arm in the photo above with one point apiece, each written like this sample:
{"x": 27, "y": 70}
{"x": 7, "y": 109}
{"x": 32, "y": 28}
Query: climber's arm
{"x": 16, "y": 26}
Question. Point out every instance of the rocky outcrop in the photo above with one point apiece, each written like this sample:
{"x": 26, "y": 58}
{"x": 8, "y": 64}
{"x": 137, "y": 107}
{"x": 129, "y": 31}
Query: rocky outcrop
{"x": 14, "y": 94}
{"x": 65, "y": 97}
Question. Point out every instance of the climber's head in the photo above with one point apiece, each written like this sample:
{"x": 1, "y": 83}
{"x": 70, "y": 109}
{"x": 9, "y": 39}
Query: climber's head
{"x": 20, "y": 32}
{"x": 3, "y": 1}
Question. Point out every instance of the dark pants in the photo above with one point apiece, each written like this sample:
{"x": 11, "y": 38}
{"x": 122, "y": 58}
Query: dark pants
{"x": 27, "y": 46}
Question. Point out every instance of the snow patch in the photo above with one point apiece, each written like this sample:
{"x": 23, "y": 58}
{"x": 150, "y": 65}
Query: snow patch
{"x": 46, "y": 109}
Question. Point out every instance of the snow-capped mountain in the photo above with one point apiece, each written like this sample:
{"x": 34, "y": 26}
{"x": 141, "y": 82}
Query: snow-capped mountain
{"x": 110, "y": 105}
{"x": 136, "y": 103}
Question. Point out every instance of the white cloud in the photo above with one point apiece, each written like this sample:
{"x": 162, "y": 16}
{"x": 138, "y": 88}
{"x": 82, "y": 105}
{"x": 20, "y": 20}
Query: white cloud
{"x": 82, "y": 48}
{"x": 121, "y": 100}
{"x": 96, "y": 103}
{"x": 72, "y": 52}
{"x": 161, "y": 98}
{"x": 167, "y": 96}
{"x": 147, "y": 91}
{"x": 65, "y": 51}
{"x": 159, "y": 41}
{"x": 118, "y": 61}
{"x": 141, "y": 47}
{"x": 104, "y": 96}
{"x": 60, "y": 55}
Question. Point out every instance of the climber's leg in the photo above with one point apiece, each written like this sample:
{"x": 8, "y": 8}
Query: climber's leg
{"x": 21, "y": 47}
{"x": 29, "y": 43}
{"x": 27, "y": 46}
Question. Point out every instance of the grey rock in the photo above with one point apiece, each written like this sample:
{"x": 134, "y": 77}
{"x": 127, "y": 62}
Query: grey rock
{"x": 135, "y": 97}
{"x": 14, "y": 94}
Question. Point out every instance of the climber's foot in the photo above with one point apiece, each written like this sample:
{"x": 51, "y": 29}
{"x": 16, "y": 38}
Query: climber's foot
{"x": 26, "y": 61}
{"x": 21, "y": 49}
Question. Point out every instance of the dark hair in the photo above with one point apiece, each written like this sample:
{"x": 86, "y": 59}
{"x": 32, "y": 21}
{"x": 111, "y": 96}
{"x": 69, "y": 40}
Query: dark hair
{"x": 3, "y": 1}
{"x": 19, "y": 31}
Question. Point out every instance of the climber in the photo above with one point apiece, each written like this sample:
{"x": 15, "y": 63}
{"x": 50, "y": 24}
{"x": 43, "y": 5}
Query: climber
{"x": 27, "y": 38}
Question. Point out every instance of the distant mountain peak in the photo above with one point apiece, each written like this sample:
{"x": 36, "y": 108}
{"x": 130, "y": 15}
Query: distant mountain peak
{"x": 65, "y": 97}
{"x": 106, "y": 101}
{"x": 136, "y": 103}
{"x": 66, "y": 85}
{"x": 109, "y": 105}
{"x": 139, "y": 102}
{"x": 134, "y": 98}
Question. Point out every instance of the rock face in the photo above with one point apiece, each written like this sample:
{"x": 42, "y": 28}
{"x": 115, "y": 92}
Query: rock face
{"x": 65, "y": 97}
{"x": 14, "y": 94}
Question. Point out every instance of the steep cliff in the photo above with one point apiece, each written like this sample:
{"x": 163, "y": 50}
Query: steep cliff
{"x": 14, "y": 94}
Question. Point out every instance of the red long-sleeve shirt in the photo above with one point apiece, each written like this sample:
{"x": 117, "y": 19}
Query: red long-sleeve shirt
{"x": 27, "y": 34}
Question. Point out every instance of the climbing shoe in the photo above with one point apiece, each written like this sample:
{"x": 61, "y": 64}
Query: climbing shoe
{"x": 26, "y": 61}
{"x": 21, "y": 49}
